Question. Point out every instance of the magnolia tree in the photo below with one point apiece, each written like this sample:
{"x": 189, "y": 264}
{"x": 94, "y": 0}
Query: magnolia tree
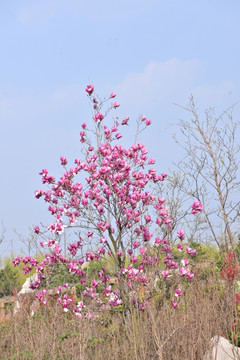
{"x": 106, "y": 197}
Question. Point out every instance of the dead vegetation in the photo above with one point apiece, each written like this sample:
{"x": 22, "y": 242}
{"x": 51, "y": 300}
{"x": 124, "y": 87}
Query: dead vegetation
{"x": 207, "y": 309}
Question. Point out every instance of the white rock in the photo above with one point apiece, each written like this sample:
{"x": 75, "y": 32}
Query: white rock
{"x": 25, "y": 288}
{"x": 222, "y": 349}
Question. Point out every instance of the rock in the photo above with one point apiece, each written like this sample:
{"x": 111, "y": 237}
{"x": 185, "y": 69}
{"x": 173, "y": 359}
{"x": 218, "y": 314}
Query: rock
{"x": 222, "y": 349}
{"x": 25, "y": 288}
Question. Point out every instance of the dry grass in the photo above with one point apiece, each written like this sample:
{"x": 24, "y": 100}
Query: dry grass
{"x": 161, "y": 333}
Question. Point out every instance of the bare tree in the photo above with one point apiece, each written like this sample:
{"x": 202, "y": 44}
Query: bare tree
{"x": 2, "y": 235}
{"x": 30, "y": 242}
{"x": 211, "y": 164}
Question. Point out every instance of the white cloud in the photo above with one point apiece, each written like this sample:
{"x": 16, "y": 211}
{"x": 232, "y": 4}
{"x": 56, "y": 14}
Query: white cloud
{"x": 155, "y": 88}
{"x": 158, "y": 82}
{"x": 167, "y": 82}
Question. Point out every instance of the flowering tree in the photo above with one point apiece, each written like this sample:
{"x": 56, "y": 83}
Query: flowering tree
{"x": 107, "y": 197}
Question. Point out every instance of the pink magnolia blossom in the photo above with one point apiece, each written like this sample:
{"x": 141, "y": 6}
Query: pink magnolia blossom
{"x": 174, "y": 304}
{"x": 134, "y": 259}
{"x": 181, "y": 234}
{"x": 94, "y": 283}
{"x": 178, "y": 292}
{"x": 161, "y": 200}
{"x": 190, "y": 251}
{"x": 89, "y": 89}
{"x": 185, "y": 261}
{"x": 196, "y": 207}
{"x": 118, "y": 136}
{"x": 180, "y": 247}
{"x": 36, "y": 229}
{"x": 103, "y": 240}
{"x": 151, "y": 161}
{"x": 165, "y": 274}
{"x": 114, "y": 128}
{"x": 143, "y": 251}
{"x": 125, "y": 121}
{"x": 98, "y": 117}
{"x": 17, "y": 261}
{"x": 63, "y": 160}
{"x": 147, "y": 218}
{"x": 136, "y": 244}
{"x": 112, "y": 95}
{"x": 101, "y": 251}
{"x": 186, "y": 272}
{"x": 116, "y": 104}
{"x": 158, "y": 241}
{"x": 147, "y": 122}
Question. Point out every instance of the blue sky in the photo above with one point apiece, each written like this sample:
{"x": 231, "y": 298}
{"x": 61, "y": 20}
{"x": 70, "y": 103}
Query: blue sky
{"x": 151, "y": 53}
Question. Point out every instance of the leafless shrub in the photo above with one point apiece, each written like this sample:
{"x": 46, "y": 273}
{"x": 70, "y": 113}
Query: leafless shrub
{"x": 160, "y": 333}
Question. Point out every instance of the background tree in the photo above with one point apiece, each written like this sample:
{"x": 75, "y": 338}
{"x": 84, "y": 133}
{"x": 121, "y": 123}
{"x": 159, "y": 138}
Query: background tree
{"x": 9, "y": 281}
{"x": 175, "y": 189}
{"x": 211, "y": 165}
{"x": 2, "y": 233}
